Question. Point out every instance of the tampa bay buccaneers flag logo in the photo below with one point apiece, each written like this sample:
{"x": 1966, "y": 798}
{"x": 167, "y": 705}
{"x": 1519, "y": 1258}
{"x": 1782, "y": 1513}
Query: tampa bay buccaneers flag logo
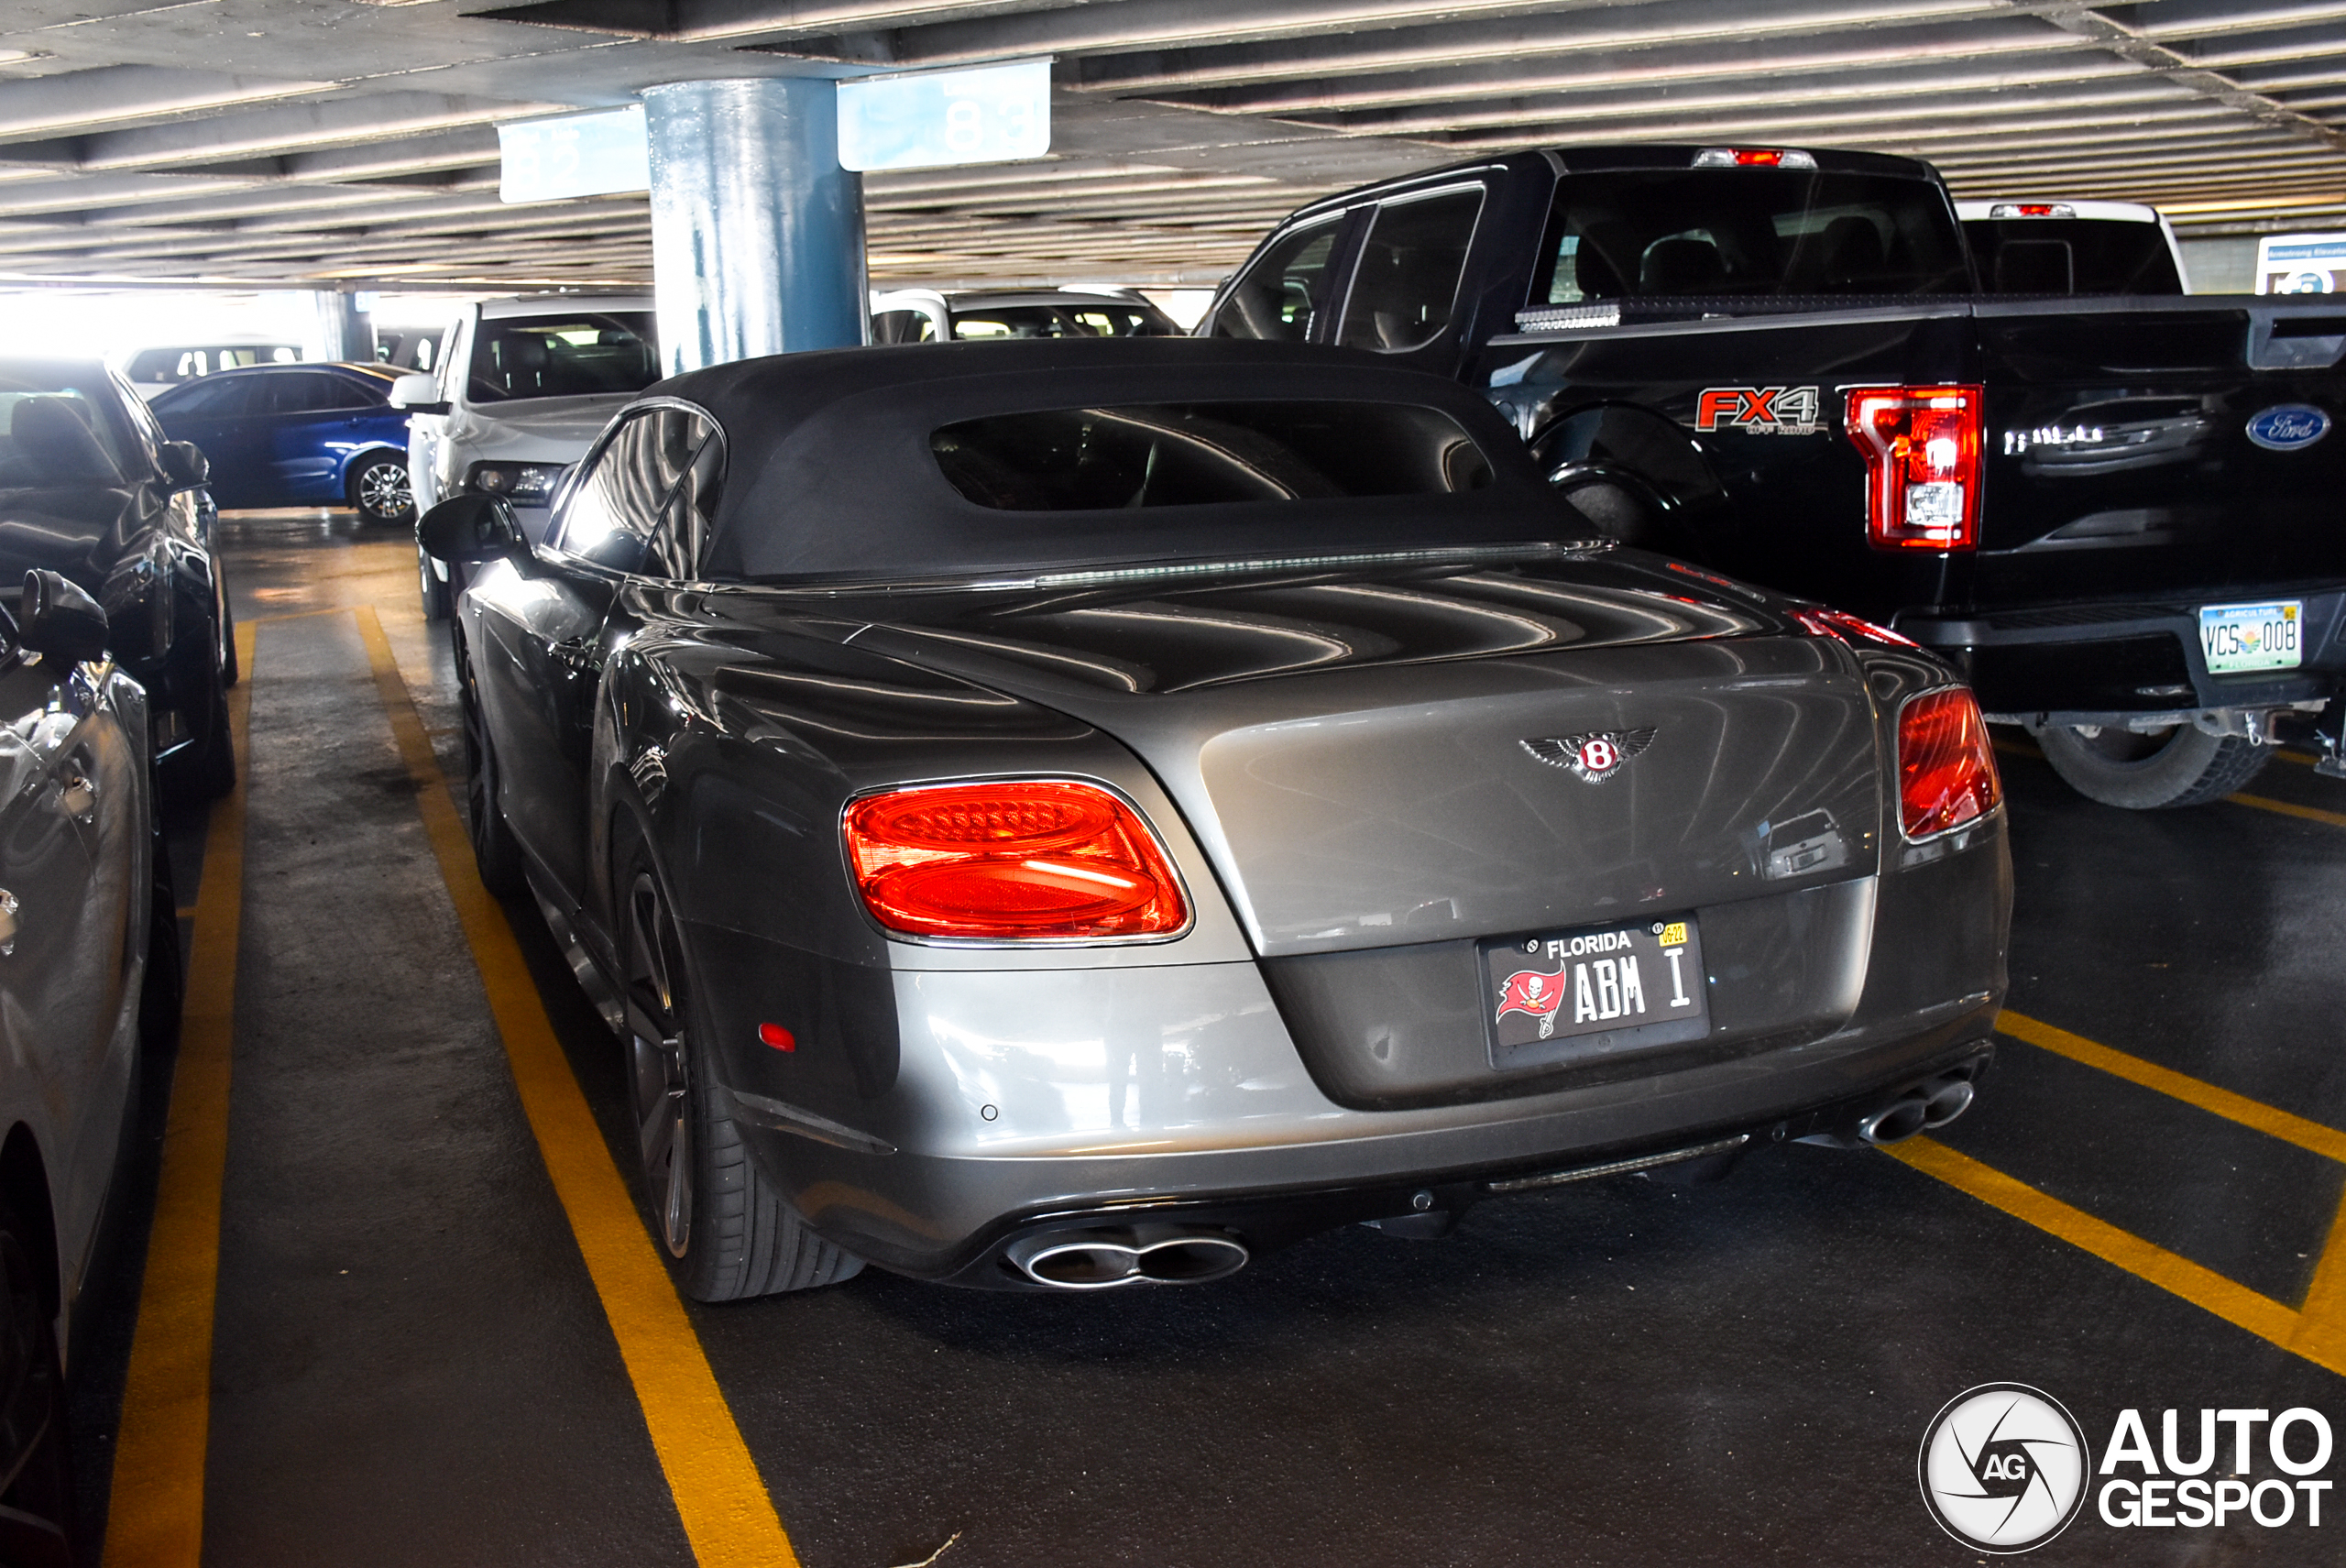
{"x": 1529, "y": 991}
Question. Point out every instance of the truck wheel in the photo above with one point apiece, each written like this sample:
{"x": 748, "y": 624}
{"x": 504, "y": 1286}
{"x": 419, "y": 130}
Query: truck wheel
{"x": 2182, "y": 766}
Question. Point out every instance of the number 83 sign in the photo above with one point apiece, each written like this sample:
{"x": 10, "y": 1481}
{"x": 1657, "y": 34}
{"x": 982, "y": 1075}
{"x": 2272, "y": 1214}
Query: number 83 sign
{"x": 988, "y": 113}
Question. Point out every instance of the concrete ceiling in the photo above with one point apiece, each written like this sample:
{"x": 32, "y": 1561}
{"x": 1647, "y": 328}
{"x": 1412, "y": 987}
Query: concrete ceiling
{"x": 352, "y": 142}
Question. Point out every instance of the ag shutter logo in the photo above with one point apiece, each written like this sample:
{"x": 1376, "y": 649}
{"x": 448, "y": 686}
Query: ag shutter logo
{"x": 2003, "y": 1467}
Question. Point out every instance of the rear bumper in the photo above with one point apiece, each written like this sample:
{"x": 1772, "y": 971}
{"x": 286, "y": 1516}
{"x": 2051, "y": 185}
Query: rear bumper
{"x": 1037, "y": 1100}
{"x": 2137, "y": 657}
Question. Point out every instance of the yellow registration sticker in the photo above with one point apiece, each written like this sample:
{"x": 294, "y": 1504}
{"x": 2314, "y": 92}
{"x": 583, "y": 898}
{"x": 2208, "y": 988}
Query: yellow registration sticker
{"x": 1674, "y": 934}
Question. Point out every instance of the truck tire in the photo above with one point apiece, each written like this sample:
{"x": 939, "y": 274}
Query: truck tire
{"x": 2177, "y": 767}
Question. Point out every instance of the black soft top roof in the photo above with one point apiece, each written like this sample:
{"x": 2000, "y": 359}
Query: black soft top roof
{"x": 829, "y": 469}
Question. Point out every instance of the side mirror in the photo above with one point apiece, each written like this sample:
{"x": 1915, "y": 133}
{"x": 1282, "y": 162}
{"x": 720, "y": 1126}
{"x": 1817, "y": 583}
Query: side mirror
{"x": 55, "y": 616}
{"x": 471, "y": 527}
{"x": 185, "y": 466}
{"x": 418, "y": 391}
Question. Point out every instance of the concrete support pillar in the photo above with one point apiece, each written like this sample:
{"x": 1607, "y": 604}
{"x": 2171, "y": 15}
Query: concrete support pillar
{"x": 757, "y": 233}
{"x": 346, "y": 332}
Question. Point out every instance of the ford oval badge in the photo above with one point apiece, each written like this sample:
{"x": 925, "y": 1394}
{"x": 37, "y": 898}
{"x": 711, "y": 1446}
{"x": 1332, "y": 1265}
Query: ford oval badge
{"x": 2288, "y": 427}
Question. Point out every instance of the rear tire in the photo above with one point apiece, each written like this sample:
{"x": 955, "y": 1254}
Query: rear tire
{"x": 2170, "y": 769}
{"x": 730, "y": 1234}
{"x": 206, "y": 770}
{"x": 37, "y": 1509}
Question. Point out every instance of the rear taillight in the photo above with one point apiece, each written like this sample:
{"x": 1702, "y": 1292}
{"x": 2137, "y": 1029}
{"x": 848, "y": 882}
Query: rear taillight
{"x": 1922, "y": 452}
{"x": 1022, "y": 859}
{"x": 1947, "y": 769}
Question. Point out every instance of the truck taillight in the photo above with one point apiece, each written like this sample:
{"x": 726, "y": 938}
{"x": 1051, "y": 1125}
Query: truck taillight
{"x": 1947, "y": 769}
{"x": 1018, "y": 859}
{"x": 1753, "y": 158}
{"x": 1922, "y": 452}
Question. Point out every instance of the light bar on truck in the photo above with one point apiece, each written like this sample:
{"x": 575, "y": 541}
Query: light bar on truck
{"x": 1754, "y": 158}
{"x": 1922, "y": 453}
{"x": 2032, "y": 210}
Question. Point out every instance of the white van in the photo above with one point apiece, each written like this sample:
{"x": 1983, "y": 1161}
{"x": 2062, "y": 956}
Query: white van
{"x": 524, "y": 385}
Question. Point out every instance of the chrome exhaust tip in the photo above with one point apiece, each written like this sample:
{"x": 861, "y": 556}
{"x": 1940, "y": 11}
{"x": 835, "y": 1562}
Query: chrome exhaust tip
{"x": 1947, "y": 1100}
{"x": 1107, "y": 1258}
{"x": 1896, "y": 1122}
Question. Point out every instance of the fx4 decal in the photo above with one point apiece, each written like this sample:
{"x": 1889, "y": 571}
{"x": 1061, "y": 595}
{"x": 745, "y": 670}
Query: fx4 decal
{"x": 1759, "y": 410}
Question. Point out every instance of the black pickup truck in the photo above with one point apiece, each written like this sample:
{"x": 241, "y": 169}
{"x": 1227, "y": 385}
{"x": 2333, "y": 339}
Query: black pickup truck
{"x": 2124, "y": 517}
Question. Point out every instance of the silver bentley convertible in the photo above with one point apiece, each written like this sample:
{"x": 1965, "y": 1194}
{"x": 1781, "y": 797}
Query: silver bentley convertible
{"x": 1068, "y": 815}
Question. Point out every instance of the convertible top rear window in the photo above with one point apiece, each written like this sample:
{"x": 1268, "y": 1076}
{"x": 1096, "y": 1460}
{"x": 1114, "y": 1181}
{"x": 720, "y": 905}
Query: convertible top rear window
{"x": 1192, "y": 454}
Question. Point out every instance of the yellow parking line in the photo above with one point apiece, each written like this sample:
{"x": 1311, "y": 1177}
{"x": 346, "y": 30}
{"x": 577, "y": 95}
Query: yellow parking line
{"x": 2327, "y": 1142}
{"x": 155, "y": 1518}
{"x": 722, "y": 1500}
{"x": 2171, "y": 1272}
{"x": 2290, "y": 808}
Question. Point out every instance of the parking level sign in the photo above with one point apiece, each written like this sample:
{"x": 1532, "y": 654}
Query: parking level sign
{"x": 934, "y": 119}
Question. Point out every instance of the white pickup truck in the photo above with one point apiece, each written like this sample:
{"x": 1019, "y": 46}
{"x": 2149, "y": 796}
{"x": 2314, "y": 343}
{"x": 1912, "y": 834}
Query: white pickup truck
{"x": 523, "y": 388}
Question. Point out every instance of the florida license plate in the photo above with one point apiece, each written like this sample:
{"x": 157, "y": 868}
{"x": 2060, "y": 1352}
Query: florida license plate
{"x": 2237, "y": 637}
{"x": 1594, "y": 989}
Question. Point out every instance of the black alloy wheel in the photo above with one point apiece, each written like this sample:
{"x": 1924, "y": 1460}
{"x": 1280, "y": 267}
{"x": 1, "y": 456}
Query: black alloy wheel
{"x": 660, "y": 1071}
{"x": 162, "y": 992}
{"x": 205, "y": 769}
{"x": 497, "y": 854}
{"x": 2183, "y": 765}
{"x": 36, "y": 1464}
{"x": 378, "y": 488}
{"x": 715, "y": 1211}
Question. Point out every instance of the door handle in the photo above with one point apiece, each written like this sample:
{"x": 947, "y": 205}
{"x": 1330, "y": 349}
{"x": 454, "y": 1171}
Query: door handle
{"x": 78, "y": 797}
{"x": 8, "y": 922}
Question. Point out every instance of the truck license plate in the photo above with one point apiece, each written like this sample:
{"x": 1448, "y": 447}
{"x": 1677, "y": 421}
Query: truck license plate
{"x": 1636, "y": 983}
{"x": 2237, "y": 637}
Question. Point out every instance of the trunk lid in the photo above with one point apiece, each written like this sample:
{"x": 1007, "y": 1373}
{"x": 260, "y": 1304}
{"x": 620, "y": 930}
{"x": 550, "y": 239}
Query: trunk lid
{"x": 1375, "y": 758}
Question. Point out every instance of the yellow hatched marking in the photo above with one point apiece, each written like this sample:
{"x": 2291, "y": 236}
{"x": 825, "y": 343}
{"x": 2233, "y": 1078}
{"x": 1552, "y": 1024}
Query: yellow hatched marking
{"x": 2312, "y": 1136}
{"x": 154, "y": 1516}
{"x": 2171, "y": 1272}
{"x": 2315, "y": 1329}
{"x": 721, "y": 1497}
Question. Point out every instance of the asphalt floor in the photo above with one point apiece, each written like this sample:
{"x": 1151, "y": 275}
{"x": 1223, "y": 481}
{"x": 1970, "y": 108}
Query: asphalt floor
{"x": 429, "y": 1344}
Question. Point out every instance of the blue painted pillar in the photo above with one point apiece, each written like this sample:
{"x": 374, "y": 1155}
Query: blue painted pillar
{"x": 757, "y": 233}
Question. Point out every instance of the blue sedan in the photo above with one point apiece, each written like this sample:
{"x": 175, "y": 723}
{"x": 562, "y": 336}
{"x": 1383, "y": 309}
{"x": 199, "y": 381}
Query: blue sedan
{"x": 298, "y": 435}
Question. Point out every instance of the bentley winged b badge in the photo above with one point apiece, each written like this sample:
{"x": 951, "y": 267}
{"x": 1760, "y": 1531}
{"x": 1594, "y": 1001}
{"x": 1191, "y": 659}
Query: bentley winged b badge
{"x": 1596, "y": 757}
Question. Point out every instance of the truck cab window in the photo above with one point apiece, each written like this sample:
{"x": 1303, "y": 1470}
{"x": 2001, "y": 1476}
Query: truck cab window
{"x": 1283, "y": 293}
{"x": 1406, "y": 287}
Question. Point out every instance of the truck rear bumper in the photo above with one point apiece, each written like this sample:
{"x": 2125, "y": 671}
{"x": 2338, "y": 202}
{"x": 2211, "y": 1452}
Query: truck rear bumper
{"x": 2083, "y": 660}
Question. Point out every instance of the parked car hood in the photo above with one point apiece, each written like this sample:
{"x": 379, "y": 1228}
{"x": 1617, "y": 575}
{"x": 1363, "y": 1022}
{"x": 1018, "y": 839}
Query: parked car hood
{"x": 527, "y": 429}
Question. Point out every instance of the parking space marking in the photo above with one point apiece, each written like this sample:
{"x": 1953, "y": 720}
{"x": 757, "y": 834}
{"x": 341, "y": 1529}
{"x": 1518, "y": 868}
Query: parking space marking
{"x": 2171, "y": 1272}
{"x": 2290, "y": 808}
{"x": 155, "y": 1514}
{"x": 2315, "y": 1329}
{"x": 2312, "y": 1136}
{"x": 727, "y": 1513}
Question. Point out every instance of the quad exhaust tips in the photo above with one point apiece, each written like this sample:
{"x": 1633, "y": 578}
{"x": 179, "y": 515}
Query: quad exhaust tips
{"x": 1927, "y": 1105}
{"x": 1106, "y": 1258}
